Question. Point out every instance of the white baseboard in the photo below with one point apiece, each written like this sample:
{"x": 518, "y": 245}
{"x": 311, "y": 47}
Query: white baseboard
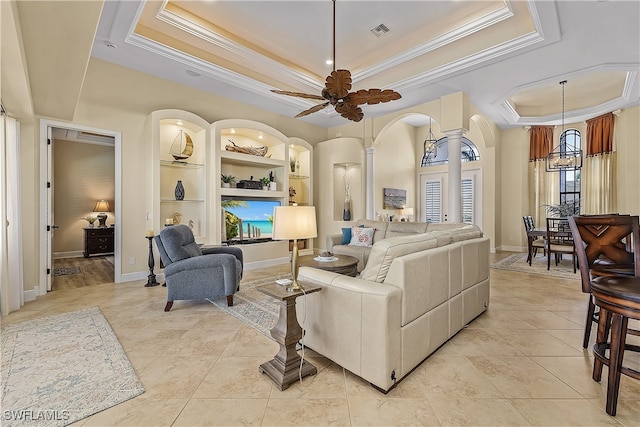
{"x": 30, "y": 295}
{"x": 132, "y": 277}
{"x": 511, "y": 249}
{"x": 69, "y": 254}
{"x": 265, "y": 263}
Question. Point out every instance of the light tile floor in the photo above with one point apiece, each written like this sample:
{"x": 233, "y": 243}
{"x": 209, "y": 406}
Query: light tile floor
{"x": 520, "y": 363}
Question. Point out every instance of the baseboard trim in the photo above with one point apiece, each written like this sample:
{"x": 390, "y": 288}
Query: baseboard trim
{"x": 69, "y": 254}
{"x": 511, "y": 249}
{"x": 30, "y": 295}
{"x": 265, "y": 263}
{"x": 132, "y": 277}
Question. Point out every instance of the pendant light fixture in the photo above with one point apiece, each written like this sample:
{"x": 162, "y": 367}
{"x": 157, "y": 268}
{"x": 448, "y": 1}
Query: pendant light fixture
{"x": 563, "y": 157}
{"x": 430, "y": 145}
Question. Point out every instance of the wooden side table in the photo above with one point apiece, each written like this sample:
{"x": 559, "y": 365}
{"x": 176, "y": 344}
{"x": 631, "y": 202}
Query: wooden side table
{"x": 345, "y": 264}
{"x": 283, "y": 369}
{"x": 98, "y": 240}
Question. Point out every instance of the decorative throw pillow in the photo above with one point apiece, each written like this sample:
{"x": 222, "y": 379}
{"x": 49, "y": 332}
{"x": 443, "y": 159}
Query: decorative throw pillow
{"x": 361, "y": 236}
{"x": 346, "y": 235}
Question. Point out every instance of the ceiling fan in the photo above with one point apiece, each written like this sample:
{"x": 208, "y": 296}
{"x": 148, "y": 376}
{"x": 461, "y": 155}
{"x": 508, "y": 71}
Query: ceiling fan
{"x": 336, "y": 91}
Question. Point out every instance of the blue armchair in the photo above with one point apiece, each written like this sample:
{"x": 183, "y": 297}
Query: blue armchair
{"x": 192, "y": 272}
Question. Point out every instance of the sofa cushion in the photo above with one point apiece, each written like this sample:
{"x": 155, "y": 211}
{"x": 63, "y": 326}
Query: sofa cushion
{"x": 361, "y": 236}
{"x": 346, "y": 235}
{"x": 380, "y": 228}
{"x": 395, "y": 229}
{"x": 385, "y": 251}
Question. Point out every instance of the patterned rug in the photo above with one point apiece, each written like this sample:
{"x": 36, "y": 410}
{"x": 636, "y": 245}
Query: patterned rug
{"x": 252, "y": 307}
{"x": 59, "y": 369}
{"x": 66, "y": 271}
{"x": 518, "y": 262}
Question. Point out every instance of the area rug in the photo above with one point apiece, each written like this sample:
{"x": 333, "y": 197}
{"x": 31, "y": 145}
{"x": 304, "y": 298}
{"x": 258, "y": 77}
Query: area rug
{"x": 518, "y": 262}
{"x": 66, "y": 271}
{"x": 252, "y": 307}
{"x": 59, "y": 369}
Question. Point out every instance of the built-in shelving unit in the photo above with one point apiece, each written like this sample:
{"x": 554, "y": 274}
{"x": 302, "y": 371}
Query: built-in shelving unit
{"x": 204, "y": 194}
{"x": 167, "y": 126}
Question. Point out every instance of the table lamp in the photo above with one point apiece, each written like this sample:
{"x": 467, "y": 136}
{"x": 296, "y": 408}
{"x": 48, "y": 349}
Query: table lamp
{"x": 293, "y": 223}
{"x": 406, "y": 213}
{"x": 102, "y": 206}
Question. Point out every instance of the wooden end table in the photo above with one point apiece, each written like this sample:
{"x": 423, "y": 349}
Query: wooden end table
{"x": 345, "y": 264}
{"x": 283, "y": 369}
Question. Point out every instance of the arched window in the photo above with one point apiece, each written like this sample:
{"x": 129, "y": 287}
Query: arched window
{"x": 570, "y": 178}
{"x": 438, "y": 153}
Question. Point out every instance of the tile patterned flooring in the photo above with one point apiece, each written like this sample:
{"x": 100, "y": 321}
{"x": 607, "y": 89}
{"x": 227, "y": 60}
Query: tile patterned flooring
{"x": 520, "y": 363}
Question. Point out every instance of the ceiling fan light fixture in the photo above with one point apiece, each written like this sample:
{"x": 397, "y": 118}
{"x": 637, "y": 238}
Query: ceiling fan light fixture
{"x": 337, "y": 88}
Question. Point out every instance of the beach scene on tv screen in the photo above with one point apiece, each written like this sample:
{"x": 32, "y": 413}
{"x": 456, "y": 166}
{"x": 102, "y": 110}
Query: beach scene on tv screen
{"x": 251, "y": 215}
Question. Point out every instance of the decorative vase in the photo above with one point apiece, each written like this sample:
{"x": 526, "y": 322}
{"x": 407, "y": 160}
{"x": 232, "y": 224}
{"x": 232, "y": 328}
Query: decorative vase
{"x": 273, "y": 186}
{"x": 346, "y": 212}
{"x": 90, "y": 225}
{"x": 179, "y": 191}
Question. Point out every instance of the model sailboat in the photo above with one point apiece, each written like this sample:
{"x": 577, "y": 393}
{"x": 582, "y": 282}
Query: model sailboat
{"x": 182, "y": 146}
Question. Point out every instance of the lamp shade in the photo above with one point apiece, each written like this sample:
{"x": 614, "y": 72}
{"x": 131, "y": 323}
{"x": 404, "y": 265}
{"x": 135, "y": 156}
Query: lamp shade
{"x": 406, "y": 211}
{"x": 294, "y": 222}
{"x": 102, "y": 206}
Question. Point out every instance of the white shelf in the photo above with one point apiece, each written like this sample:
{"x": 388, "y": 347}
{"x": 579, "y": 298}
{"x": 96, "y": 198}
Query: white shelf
{"x": 180, "y": 164}
{"x": 241, "y": 159}
{"x": 292, "y": 176}
{"x": 243, "y": 192}
{"x": 181, "y": 201}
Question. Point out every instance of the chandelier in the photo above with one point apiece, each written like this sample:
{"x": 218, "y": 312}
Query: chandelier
{"x": 563, "y": 157}
{"x": 430, "y": 145}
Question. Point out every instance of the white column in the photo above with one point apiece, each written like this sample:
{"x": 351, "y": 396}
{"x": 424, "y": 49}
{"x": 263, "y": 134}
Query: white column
{"x": 370, "y": 201}
{"x": 455, "y": 176}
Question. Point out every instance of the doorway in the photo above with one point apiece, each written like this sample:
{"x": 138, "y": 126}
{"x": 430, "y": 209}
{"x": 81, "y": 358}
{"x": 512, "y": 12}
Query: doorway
{"x": 81, "y": 166}
{"x": 434, "y": 197}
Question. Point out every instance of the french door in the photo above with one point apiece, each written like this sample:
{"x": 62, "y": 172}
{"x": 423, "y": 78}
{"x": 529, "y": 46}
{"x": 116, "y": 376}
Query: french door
{"x": 434, "y": 195}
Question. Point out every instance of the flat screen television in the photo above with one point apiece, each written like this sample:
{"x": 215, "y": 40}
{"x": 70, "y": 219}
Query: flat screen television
{"x": 248, "y": 220}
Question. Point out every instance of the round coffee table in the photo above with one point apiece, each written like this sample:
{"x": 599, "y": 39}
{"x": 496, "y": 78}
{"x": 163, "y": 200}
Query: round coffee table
{"x": 345, "y": 264}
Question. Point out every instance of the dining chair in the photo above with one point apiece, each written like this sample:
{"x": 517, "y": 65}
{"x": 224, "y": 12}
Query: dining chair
{"x": 534, "y": 241}
{"x": 608, "y": 249}
{"x": 605, "y": 246}
{"x": 559, "y": 241}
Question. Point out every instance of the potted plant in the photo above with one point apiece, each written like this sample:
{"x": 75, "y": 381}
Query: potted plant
{"x": 265, "y": 182}
{"x": 90, "y": 219}
{"x": 563, "y": 210}
{"x": 227, "y": 180}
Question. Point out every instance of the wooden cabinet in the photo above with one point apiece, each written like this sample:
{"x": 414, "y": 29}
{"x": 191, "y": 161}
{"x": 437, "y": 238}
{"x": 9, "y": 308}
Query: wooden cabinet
{"x": 98, "y": 241}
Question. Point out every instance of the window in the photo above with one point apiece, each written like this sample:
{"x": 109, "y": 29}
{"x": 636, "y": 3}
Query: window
{"x": 570, "y": 179}
{"x": 439, "y": 154}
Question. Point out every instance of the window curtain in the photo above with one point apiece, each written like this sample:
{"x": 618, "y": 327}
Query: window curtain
{"x": 598, "y": 170}
{"x": 541, "y": 183}
{"x": 11, "y": 275}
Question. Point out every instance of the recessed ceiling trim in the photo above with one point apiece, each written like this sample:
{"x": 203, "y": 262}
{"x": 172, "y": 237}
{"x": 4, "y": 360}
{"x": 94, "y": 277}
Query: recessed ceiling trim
{"x": 438, "y": 42}
{"x": 235, "y": 48}
{"x": 509, "y": 113}
{"x": 468, "y": 61}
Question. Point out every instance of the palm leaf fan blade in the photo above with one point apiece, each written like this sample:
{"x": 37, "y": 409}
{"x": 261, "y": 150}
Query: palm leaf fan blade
{"x": 339, "y": 83}
{"x": 371, "y": 96}
{"x": 350, "y": 111}
{"x": 312, "y": 109}
{"x": 298, "y": 94}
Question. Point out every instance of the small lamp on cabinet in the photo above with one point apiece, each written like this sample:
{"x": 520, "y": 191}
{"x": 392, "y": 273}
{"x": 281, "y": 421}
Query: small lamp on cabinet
{"x": 293, "y": 223}
{"x": 102, "y": 206}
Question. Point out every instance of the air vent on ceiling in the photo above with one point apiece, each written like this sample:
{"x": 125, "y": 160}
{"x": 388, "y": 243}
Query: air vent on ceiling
{"x": 380, "y": 30}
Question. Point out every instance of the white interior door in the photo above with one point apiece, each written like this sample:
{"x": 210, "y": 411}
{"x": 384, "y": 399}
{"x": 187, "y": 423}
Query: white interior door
{"x": 49, "y": 211}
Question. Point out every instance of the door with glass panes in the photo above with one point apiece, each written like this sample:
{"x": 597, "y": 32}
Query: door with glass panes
{"x": 434, "y": 197}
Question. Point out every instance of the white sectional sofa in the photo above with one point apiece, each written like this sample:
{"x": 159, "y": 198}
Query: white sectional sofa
{"x": 415, "y": 292}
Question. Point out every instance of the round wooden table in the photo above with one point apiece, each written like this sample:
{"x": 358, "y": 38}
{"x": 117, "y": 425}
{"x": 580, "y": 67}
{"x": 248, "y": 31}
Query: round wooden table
{"x": 345, "y": 264}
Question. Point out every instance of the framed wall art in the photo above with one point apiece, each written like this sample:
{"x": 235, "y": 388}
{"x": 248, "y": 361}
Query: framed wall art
{"x": 394, "y": 198}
